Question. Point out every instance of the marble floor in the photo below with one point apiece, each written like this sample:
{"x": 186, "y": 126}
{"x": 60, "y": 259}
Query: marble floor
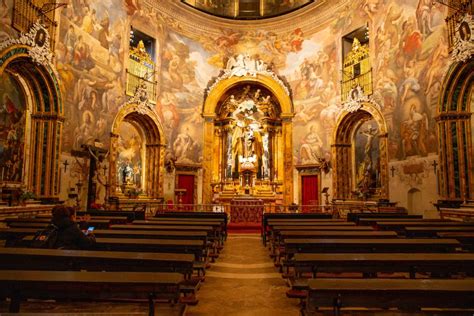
{"x": 244, "y": 282}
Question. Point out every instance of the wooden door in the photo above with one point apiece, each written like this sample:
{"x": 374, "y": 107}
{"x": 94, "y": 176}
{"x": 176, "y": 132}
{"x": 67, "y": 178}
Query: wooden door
{"x": 186, "y": 181}
{"x": 309, "y": 192}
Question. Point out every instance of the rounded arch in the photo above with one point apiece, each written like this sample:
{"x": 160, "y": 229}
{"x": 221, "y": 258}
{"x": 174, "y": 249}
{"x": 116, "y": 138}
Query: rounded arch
{"x": 154, "y": 142}
{"x": 44, "y": 116}
{"x": 279, "y": 135}
{"x": 455, "y": 124}
{"x": 222, "y": 87}
{"x": 343, "y": 150}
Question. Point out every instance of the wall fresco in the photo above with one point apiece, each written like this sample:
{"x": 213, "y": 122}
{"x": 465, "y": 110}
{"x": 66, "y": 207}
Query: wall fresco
{"x": 90, "y": 61}
{"x": 12, "y": 129}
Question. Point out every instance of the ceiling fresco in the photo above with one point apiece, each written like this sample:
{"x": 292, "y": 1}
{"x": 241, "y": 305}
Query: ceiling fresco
{"x": 247, "y": 9}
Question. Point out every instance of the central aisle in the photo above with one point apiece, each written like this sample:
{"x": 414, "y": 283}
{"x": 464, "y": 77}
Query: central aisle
{"x": 244, "y": 282}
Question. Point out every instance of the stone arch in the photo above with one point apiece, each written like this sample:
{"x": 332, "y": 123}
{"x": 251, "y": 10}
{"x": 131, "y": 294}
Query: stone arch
{"x": 455, "y": 144}
{"x": 212, "y": 145}
{"x": 147, "y": 121}
{"x": 343, "y": 150}
{"x": 44, "y": 116}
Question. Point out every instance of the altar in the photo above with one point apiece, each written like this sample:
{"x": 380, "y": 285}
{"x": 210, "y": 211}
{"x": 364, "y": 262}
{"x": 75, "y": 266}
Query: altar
{"x": 246, "y": 211}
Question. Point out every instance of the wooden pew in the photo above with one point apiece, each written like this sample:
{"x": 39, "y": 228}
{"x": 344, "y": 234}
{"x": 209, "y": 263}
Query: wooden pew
{"x": 373, "y": 221}
{"x": 43, "y": 223}
{"x": 268, "y": 216}
{"x": 131, "y": 215}
{"x": 433, "y": 231}
{"x": 19, "y": 285}
{"x": 327, "y": 245}
{"x": 354, "y": 217}
{"x": 13, "y": 236}
{"x": 76, "y": 260}
{"x": 198, "y": 215}
{"x": 465, "y": 238}
{"x": 407, "y": 295}
{"x": 196, "y": 247}
{"x": 372, "y": 263}
{"x": 401, "y": 226}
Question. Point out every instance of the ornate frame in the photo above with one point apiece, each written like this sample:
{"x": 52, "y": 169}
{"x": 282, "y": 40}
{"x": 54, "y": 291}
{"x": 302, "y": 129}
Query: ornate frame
{"x": 31, "y": 61}
{"x": 342, "y": 150}
{"x": 211, "y": 146}
{"x": 155, "y": 143}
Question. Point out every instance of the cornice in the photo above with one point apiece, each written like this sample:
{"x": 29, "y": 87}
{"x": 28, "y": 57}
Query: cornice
{"x": 194, "y": 23}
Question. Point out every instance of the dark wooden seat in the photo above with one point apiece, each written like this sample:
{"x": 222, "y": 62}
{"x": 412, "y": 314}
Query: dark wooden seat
{"x": 406, "y": 295}
{"x": 20, "y": 285}
{"x": 430, "y": 231}
{"x": 355, "y": 217}
{"x": 196, "y": 247}
{"x": 465, "y": 238}
{"x": 328, "y": 245}
{"x": 62, "y": 260}
{"x": 372, "y": 263}
{"x": 268, "y": 216}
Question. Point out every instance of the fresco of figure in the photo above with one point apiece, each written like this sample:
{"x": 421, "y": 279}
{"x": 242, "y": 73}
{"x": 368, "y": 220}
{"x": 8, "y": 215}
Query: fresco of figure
{"x": 311, "y": 147}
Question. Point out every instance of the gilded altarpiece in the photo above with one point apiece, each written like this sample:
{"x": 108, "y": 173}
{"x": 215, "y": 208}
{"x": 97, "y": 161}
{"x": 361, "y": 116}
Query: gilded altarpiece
{"x": 248, "y": 140}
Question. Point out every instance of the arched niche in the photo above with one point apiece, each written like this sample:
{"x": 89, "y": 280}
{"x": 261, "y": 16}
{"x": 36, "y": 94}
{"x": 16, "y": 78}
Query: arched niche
{"x": 220, "y": 129}
{"x": 360, "y": 157}
{"x": 150, "y": 157}
{"x": 455, "y": 133}
{"x": 41, "y": 127}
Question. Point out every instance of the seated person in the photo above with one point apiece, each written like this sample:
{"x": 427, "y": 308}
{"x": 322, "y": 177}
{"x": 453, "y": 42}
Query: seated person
{"x": 69, "y": 235}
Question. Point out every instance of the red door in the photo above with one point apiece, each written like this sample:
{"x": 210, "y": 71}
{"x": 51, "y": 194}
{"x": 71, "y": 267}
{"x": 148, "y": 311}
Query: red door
{"x": 186, "y": 181}
{"x": 309, "y": 192}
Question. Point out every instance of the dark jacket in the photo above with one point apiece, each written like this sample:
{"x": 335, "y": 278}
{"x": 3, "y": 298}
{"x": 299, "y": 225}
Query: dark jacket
{"x": 71, "y": 237}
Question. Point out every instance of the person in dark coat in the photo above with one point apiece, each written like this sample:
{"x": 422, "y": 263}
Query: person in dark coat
{"x": 69, "y": 235}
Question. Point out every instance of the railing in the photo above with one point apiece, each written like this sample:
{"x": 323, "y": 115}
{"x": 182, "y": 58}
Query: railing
{"x": 163, "y": 208}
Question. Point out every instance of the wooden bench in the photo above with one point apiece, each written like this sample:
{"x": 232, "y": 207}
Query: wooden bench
{"x": 63, "y": 260}
{"x": 406, "y": 295}
{"x": 268, "y": 216}
{"x": 43, "y": 223}
{"x": 19, "y": 285}
{"x": 465, "y": 238}
{"x": 372, "y": 263}
{"x": 196, "y": 247}
{"x": 401, "y": 226}
{"x": 354, "y": 217}
{"x": 328, "y": 245}
{"x": 433, "y": 231}
{"x": 196, "y": 215}
{"x": 373, "y": 221}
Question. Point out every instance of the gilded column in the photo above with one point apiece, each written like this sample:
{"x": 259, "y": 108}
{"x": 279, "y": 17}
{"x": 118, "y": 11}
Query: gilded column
{"x": 207, "y": 160}
{"x": 287, "y": 162}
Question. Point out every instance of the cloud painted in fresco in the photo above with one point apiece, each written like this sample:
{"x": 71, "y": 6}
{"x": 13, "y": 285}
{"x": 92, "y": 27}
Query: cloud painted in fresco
{"x": 294, "y": 60}
{"x": 204, "y": 72}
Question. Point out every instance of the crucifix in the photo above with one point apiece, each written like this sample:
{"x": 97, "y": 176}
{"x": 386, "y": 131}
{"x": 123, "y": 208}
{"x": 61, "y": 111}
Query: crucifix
{"x": 94, "y": 154}
{"x": 65, "y": 163}
{"x": 434, "y": 164}
{"x": 105, "y": 169}
{"x": 393, "y": 171}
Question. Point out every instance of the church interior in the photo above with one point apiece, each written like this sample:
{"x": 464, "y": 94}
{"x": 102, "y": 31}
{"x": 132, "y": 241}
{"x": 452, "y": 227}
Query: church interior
{"x": 237, "y": 157}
